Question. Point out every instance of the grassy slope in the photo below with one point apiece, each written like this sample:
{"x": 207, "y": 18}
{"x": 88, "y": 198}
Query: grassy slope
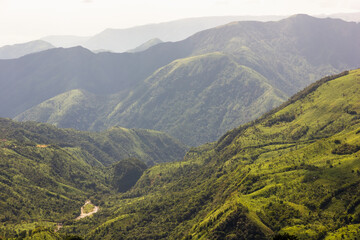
{"x": 295, "y": 170}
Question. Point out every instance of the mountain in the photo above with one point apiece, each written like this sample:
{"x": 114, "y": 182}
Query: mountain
{"x": 32, "y": 79}
{"x": 19, "y": 50}
{"x": 121, "y": 40}
{"x": 294, "y": 172}
{"x": 206, "y": 84}
{"x": 47, "y": 173}
{"x": 146, "y": 45}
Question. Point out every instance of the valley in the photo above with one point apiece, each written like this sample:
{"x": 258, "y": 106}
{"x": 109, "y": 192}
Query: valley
{"x": 248, "y": 130}
{"x": 295, "y": 171}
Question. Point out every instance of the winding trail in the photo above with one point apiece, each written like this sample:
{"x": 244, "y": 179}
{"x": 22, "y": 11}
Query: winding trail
{"x": 58, "y": 227}
{"x": 83, "y": 214}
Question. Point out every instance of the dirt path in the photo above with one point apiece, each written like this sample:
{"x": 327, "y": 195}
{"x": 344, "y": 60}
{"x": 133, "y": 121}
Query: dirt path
{"x": 83, "y": 214}
{"x": 58, "y": 227}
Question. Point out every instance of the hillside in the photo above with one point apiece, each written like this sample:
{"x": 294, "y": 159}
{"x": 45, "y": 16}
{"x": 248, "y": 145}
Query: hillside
{"x": 198, "y": 98}
{"x": 257, "y": 64}
{"x": 47, "y": 173}
{"x": 19, "y": 50}
{"x": 32, "y": 79}
{"x": 294, "y": 171}
{"x": 112, "y": 145}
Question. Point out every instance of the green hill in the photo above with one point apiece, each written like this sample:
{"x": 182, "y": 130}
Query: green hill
{"x": 197, "y": 99}
{"x": 206, "y": 84}
{"x": 293, "y": 171}
{"x": 47, "y": 173}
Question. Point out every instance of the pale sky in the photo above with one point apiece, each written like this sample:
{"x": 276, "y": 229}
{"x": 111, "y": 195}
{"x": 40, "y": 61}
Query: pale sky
{"x": 26, "y": 20}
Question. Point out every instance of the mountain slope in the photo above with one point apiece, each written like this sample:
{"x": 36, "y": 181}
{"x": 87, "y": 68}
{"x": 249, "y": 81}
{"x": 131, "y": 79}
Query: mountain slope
{"x": 294, "y": 171}
{"x": 30, "y": 80}
{"x": 19, "y": 50}
{"x": 115, "y": 143}
{"x": 47, "y": 173}
{"x": 198, "y": 98}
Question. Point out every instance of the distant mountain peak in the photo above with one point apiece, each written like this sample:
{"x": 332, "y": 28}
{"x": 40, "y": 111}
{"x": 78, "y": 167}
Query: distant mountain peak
{"x": 22, "y": 49}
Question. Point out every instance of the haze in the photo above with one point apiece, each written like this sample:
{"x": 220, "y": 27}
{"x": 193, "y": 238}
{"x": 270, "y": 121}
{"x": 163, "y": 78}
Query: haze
{"x": 25, "y": 20}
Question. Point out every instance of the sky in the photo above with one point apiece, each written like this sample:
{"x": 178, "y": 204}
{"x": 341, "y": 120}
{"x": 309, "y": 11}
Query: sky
{"x": 26, "y": 20}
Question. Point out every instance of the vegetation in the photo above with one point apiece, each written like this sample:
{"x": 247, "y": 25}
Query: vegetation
{"x": 125, "y": 173}
{"x": 256, "y": 182}
{"x": 46, "y": 173}
{"x": 88, "y": 207}
{"x": 293, "y": 173}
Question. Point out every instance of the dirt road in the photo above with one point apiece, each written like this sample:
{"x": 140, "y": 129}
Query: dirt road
{"x": 83, "y": 214}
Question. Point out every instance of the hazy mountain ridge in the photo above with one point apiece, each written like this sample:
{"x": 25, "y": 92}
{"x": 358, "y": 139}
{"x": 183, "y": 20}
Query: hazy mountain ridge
{"x": 19, "y": 50}
{"x": 288, "y": 55}
{"x": 121, "y": 40}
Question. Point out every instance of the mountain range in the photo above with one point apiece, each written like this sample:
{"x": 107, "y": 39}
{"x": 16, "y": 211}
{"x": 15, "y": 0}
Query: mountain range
{"x": 19, "y": 50}
{"x": 293, "y": 173}
{"x": 277, "y": 153}
{"x": 115, "y": 40}
{"x": 123, "y": 40}
{"x": 195, "y": 89}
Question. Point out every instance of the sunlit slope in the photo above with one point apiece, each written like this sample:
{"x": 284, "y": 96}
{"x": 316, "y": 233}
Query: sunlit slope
{"x": 198, "y": 98}
{"x": 295, "y": 170}
{"x": 77, "y": 108}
